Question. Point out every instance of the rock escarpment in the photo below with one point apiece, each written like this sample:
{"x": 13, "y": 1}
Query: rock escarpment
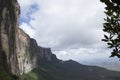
{"x": 18, "y": 52}
{"x": 45, "y": 55}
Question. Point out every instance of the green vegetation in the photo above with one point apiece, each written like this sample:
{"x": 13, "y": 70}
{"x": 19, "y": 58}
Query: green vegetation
{"x": 112, "y": 26}
{"x": 4, "y": 75}
{"x": 29, "y": 76}
{"x": 34, "y": 75}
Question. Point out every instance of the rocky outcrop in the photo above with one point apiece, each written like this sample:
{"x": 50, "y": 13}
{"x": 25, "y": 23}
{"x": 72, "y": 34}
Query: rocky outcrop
{"x": 45, "y": 55}
{"x": 18, "y": 52}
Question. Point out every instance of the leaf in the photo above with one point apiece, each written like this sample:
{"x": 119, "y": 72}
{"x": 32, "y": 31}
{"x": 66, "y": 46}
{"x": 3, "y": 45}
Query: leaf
{"x": 105, "y": 40}
{"x": 110, "y": 44}
{"x": 111, "y": 37}
{"x": 106, "y": 37}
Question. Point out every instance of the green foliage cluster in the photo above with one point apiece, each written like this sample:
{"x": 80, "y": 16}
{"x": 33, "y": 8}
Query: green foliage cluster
{"x": 112, "y": 26}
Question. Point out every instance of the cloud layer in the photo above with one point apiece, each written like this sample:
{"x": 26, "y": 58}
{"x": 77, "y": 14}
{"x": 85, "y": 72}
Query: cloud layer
{"x": 64, "y": 23}
{"x": 72, "y": 28}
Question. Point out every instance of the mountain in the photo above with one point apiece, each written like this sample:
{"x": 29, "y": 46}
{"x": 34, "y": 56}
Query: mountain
{"x": 22, "y": 59}
{"x": 109, "y": 63}
{"x": 69, "y": 70}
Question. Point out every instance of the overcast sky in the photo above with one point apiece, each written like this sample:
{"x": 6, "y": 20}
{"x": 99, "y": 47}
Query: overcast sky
{"x": 72, "y": 28}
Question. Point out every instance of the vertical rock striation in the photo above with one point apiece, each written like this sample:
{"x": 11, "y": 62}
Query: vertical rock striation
{"x": 18, "y": 52}
{"x": 8, "y": 28}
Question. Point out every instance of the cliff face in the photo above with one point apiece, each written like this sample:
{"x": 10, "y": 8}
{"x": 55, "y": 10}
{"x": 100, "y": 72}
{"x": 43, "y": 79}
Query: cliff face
{"x": 18, "y": 52}
{"x": 25, "y": 54}
{"x": 8, "y": 28}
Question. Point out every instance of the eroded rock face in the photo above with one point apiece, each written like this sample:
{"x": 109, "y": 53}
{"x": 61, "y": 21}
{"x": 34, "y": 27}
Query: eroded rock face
{"x": 9, "y": 16}
{"x": 25, "y": 54}
{"x": 18, "y": 52}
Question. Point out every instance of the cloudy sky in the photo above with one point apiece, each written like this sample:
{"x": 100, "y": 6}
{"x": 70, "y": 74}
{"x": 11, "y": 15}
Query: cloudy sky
{"x": 71, "y": 28}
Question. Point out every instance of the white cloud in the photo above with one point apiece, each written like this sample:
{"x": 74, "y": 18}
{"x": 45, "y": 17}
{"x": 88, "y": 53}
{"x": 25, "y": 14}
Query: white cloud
{"x": 72, "y": 28}
{"x": 83, "y": 54}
